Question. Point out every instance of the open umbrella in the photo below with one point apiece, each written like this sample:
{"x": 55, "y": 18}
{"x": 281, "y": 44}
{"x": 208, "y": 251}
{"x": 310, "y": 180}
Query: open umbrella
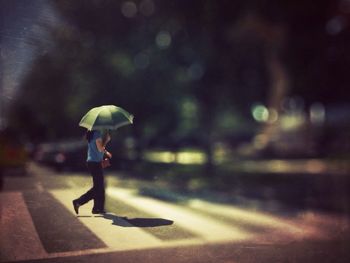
{"x": 106, "y": 117}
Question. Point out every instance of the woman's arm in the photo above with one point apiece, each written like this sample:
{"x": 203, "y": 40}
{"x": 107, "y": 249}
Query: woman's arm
{"x": 102, "y": 147}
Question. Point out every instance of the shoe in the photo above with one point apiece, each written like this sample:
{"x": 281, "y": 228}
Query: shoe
{"x": 98, "y": 211}
{"x": 76, "y": 206}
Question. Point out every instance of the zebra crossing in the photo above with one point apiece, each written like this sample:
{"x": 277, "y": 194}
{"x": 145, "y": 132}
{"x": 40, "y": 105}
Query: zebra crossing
{"x": 136, "y": 222}
{"x": 17, "y": 229}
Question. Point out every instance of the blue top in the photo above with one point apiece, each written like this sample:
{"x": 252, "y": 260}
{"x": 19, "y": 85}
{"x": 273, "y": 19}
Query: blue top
{"x": 93, "y": 154}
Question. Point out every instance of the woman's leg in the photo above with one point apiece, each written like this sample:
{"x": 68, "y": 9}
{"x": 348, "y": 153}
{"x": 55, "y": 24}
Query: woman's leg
{"x": 89, "y": 195}
{"x": 97, "y": 192}
{"x": 99, "y": 187}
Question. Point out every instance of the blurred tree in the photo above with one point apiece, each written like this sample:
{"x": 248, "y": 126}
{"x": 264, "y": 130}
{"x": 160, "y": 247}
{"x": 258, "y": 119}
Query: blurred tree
{"x": 50, "y": 100}
{"x": 180, "y": 66}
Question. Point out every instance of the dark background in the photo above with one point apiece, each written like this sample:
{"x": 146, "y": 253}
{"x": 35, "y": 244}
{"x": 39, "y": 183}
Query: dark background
{"x": 192, "y": 73}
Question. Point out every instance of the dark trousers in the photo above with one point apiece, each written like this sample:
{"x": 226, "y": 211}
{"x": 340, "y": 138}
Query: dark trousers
{"x": 97, "y": 192}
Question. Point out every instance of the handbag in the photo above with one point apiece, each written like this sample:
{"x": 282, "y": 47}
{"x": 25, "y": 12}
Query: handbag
{"x": 105, "y": 163}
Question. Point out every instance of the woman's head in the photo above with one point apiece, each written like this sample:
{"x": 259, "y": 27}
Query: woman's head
{"x": 89, "y": 135}
{"x": 106, "y": 135}
{"x": 106, "y": 132}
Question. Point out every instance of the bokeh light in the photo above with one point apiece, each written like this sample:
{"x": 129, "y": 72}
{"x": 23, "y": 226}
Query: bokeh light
{"x": 335, "y": 25}
{"x": 163, "y": 39}
{"x": 195, "y": 71}
{"x": 142, "y": 60}
{"x": 147, "y": 7}
{"x": 129, "y": 9}
{"x": 317, "y": 113}
{"x": 260, "y": 113}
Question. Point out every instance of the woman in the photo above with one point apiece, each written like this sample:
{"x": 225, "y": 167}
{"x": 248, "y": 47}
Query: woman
{"x": 96, "y": 151}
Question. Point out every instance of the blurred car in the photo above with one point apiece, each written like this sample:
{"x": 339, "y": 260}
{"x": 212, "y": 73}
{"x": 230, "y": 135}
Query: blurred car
{"x": 13, "y": 155}
{"x": 62, "y": 156}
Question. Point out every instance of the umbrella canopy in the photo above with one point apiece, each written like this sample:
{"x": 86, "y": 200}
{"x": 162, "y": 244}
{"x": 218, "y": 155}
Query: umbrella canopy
{"x": 106, "y": 117}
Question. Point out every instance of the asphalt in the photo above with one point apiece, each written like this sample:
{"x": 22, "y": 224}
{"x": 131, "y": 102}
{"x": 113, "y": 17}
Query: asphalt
{"x": 38, "y": 224}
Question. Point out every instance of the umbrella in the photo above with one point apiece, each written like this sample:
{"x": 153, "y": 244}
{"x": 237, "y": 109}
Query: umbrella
{"x": 106, "y": 117}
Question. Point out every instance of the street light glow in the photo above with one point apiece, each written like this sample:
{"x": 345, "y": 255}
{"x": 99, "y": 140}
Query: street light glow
{"x": 260, "y": 113}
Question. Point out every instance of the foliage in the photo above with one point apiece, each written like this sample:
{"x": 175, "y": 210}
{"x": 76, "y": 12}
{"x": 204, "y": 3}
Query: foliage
{"x": 185, "y": 69}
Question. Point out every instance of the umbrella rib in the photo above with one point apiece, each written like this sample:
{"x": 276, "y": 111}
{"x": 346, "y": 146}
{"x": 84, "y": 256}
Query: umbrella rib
{"x": 95, "y": 115}
{"x": 101, "y": 108}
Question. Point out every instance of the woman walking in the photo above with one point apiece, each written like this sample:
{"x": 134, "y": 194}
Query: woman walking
{"x": 96, "y": 151}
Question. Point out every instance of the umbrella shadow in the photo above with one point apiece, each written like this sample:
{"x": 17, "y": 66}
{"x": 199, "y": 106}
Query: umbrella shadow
{"x": 137, "y": 222}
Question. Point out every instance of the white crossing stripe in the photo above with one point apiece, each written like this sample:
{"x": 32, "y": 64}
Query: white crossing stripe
{"x": 301, "y": 226}
{"x": 115, "y": 237}
{"x": 207, "y": 228}
{"x": 271, "y": 228}
{"x": 18, "y": 239}
{"x": 279, "y": 229}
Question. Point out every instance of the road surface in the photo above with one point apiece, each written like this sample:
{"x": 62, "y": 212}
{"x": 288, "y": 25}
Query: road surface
{"x": 38, "y": 224}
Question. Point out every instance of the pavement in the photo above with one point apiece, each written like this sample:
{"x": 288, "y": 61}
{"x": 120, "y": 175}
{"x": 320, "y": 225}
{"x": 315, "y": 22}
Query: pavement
{"x": 38, "y": 224}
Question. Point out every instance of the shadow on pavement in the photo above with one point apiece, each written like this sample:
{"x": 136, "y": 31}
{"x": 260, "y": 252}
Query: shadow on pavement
{"x": 137, "y": 222}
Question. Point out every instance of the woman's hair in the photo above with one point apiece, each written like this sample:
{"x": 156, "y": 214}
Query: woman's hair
{"x": 104, "y": 135}
{"x": 89, "y": 135}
